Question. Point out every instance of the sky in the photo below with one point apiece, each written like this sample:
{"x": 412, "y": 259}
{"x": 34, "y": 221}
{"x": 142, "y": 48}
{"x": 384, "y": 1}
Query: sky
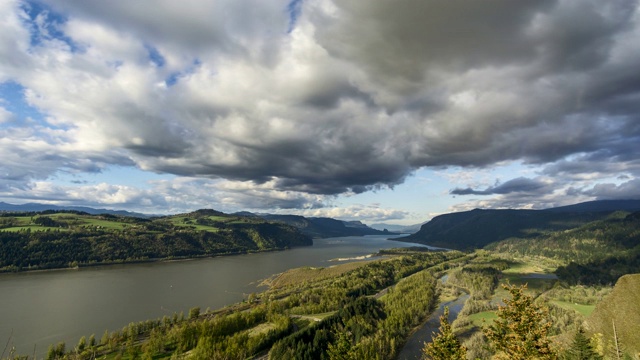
{"x": 380, "y": 111}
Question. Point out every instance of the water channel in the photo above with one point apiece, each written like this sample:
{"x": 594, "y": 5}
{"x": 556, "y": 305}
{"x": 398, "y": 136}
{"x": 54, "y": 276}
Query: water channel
{"x": 41, "y": 308}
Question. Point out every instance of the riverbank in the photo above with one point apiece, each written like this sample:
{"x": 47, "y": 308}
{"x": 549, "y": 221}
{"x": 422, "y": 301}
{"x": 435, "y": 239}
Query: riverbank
{"x": 142, "y": 261}
{"x": 46, "y": 307}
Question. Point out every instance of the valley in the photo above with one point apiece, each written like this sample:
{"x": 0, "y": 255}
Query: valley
{"x": 386, "y": 306}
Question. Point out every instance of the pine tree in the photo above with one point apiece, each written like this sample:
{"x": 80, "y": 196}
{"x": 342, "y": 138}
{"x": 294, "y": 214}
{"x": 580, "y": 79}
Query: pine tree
{"x": 520, "y": 331}
{"x": 445, "y": 345}
{"x": 581, "y": 348}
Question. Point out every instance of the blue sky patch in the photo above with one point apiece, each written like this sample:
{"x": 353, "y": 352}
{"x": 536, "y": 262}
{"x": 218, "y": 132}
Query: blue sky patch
{"x": 155, "y": 56}
{"x": 294, "y": 8}
{"x": 45, "y": 24}
{"x": 12, "y": 95}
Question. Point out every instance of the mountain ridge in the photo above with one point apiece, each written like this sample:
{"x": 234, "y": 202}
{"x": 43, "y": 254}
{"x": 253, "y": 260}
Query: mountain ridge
{"x": 480, "y": 227}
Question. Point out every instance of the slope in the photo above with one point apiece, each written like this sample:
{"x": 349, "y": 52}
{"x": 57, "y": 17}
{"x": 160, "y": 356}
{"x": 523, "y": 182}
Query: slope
{"x": 622, "y": 309}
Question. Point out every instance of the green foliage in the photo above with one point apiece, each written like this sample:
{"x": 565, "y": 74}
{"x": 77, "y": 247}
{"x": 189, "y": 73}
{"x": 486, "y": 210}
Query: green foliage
{"x": 622, "y": 309}
{"x": 444, "y": 345}
{"x": 581, "y": 348}
{"x": 68, "y": 239}
{"x": 335, "y": 336}
{"x": 194, "y": 313}
{"x": 520, "y": 331}
{"x": 597, "y": 253}
{"x": 477, "y": 228}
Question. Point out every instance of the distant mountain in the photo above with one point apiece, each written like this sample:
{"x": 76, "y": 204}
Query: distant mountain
{"x": 321, "y": 227}
{"x": 402, "y": 229}
{"x": 43, "y": 207}
{"x": 601, "y": 206}
{"x": 477, "y": 228}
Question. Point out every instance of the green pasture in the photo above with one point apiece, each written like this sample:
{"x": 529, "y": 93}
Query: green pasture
{"x": 585, "y": 310}
{"x": 483, "y": 318}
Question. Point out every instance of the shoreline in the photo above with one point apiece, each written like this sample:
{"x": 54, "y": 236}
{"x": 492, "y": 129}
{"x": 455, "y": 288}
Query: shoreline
{"x": 141, "y": 261}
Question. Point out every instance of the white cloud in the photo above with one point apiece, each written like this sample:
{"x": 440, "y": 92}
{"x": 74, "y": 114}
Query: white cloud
{"x": 356, "y": 97}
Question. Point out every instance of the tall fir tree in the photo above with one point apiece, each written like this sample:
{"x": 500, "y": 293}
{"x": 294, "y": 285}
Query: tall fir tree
{"x": 520, "y": 331}
{"x": 581, "y": 348}
{"x": 444, "y": 345}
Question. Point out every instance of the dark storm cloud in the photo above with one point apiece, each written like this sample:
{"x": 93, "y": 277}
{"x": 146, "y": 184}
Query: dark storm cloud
{"x": 519, "y": 185}
{"x": 341, "y": 96}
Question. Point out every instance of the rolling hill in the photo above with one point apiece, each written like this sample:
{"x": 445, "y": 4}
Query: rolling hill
{"x": 58, "y": 239}
{"x": 478, "y": 228}
{"x": 321, "y": 227}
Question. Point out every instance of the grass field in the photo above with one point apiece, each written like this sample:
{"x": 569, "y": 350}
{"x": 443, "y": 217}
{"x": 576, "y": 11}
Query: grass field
{"x": 314, "y": 317}
{"x": 483, "y": 318}
{"x": 309, "y": 274}
{"x": 585, "y": 310}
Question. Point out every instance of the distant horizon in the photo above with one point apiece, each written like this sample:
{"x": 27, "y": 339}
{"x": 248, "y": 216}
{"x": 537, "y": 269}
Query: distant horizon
{"x": 284, "y": 213}
{"x": 376, "y": 111}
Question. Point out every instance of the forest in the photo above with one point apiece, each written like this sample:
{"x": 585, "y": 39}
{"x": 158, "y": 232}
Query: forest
{"x": 524, "y": 299}
{"x": 63, "y": 239}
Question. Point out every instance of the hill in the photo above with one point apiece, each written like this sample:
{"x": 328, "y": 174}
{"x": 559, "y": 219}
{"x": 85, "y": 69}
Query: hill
{"x": 57, "y": 239}
{"x": 37, "y": 207}
{"x": 402, "y": 229}
{"x": 321, "y": 227}
{"x": 601, "y": 206}
{"x": 622, "y": 309}
{"x": 478, "y": 228}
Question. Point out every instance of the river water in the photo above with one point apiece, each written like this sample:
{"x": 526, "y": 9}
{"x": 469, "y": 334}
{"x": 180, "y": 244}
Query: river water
{"x": 38, "y": 309}
{"x": 412, "y": 350}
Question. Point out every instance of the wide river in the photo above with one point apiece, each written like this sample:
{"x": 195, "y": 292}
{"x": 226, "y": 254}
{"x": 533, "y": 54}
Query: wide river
{"x": 41, "y": 308}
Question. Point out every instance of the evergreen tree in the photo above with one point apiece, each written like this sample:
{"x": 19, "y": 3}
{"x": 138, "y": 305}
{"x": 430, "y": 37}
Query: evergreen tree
{"x": 520, "y": 331}
{"x": 445, "y": 345}
{"x": 581, "y": 348}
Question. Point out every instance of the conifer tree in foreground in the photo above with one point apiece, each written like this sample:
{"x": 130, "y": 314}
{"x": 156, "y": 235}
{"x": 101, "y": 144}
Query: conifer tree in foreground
{"x": 445, "y": 345}
{"x": 520, "y": 331}
{"x": 581, "y": 348}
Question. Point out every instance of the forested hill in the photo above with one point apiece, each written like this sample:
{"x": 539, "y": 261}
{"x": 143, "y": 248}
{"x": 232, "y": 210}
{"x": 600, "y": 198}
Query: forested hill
{"x": 319, "y": 227}
{"x": 37, "y": 207}
{"x": 477, "y": 228}
{"x": 621, "y": 309}
{"x": 58, "y": 239}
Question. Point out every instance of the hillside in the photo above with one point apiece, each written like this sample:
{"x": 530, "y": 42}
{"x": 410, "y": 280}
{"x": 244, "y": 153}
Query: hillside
{"x": 621, "y": 308}
{"x": 37, "y": 207}
{"x": 478, "y": 228}
{"x": 597, "y": 253}
{"x": 54, "y": 239}
{"x": 403, "y": 229}
{"x": 320, "y": 227}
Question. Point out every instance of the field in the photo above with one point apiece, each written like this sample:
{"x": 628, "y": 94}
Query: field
{"x": 309, "y": 274}
{"x": 584, "y": 310}
{"x": 483, "y": 318}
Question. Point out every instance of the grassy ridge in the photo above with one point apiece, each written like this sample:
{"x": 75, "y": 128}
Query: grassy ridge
{"x": 64, "y": 239}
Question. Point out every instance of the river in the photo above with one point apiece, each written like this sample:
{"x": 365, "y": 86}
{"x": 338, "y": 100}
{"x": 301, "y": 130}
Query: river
{"x": 42, "y": 308}
{"x": 412, "y": 349}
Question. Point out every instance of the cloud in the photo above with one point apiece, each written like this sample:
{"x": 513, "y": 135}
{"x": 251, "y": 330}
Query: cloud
{"x": 366, "y": 213}
{"x": 608, "y": 191}
{"x": 5, "y": 115}
{"x": 299, "y": 101}
{"x": 519, "y": 185}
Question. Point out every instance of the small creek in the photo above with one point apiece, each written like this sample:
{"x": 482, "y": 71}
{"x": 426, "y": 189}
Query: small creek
{"x": 413, "y": 348}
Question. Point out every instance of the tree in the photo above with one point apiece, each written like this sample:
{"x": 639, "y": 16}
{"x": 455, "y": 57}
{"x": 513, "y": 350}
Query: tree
{"x": 445, "y": 345}
{"x": 194, "y": 313}
{"x": 581, "y": 348}
{"x": 520, "y": 331}
{"x": 82, "y": 343}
